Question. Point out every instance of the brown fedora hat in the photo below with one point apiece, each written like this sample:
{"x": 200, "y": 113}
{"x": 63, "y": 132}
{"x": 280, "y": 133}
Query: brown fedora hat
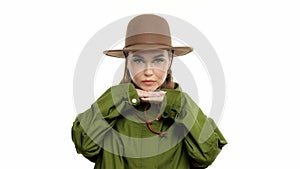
{"x": 148, "y": 31}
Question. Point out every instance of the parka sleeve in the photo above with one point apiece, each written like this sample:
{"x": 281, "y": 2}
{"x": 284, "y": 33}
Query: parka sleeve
{"x": 203, "y": 140}
{"x": 90, "y": 127}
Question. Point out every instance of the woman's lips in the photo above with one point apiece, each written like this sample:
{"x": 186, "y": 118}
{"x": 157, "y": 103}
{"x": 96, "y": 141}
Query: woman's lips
{"x": 148, "y": 82}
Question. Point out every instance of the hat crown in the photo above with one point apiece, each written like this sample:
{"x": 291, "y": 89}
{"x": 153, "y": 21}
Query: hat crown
{"x": 148, "y": 29}
{"x": 148, "y": 24}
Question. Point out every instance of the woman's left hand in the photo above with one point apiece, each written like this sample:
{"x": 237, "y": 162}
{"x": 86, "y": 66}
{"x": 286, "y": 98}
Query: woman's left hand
{"x": 151, "y": 97}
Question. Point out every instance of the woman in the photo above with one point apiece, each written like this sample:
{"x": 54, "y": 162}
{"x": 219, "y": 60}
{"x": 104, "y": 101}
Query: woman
{"x": 147, "y": 121}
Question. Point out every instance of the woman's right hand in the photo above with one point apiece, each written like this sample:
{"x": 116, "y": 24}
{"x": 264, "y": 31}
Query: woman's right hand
{"x": 151, "y": 97}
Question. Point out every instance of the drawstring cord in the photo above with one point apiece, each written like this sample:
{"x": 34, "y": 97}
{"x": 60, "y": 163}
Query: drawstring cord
{"x": 149, "y": 122}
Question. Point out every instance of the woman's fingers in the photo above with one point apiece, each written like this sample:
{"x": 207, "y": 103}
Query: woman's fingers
{"x": 152, "y": 99}
{"x": 141, "y": 93}
{"x": 146, "y": 94}
{"x": 156, "y": 97}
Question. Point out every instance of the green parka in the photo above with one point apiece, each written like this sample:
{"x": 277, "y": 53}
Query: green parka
{"x": 113, "y": 133}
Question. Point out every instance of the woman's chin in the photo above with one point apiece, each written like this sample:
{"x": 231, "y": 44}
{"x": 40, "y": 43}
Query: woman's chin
{"x": 148, "y": 88}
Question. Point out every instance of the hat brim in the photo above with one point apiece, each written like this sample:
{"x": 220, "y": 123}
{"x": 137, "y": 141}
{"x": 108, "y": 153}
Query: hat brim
{"x": 178, "y": 51}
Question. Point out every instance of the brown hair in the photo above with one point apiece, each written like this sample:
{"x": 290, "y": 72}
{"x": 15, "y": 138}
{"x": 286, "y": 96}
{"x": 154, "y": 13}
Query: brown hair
{"x": 168, "y": 83}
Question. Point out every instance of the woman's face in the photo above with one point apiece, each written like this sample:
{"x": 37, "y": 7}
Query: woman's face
{"x": 148, "y": 68}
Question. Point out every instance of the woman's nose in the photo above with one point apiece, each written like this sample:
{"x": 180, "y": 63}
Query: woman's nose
{"x": 148, "y": 70}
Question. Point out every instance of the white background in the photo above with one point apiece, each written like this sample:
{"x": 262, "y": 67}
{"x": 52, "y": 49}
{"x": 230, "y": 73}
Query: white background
{"x": 257, "y": 43}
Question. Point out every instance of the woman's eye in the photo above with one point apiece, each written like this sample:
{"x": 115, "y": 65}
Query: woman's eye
{"x": 159, "y": 60}
{"x": 138, "y": 61}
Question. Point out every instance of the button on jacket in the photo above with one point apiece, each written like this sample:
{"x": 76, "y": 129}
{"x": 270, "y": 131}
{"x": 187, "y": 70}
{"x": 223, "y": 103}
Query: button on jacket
{"x": 121, "y": 132}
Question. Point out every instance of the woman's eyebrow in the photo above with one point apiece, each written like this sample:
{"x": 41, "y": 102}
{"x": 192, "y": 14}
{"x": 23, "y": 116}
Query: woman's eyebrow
{"x": 138, "y": 56}
{"x": 157, "y": 56}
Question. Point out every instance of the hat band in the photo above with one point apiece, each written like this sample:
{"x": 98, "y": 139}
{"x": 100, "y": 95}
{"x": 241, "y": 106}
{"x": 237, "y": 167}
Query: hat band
{"x": 148, "y": 38}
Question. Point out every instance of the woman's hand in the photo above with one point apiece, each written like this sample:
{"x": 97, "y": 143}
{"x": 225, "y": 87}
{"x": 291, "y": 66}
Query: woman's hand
{"x": 151, "y": 97}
